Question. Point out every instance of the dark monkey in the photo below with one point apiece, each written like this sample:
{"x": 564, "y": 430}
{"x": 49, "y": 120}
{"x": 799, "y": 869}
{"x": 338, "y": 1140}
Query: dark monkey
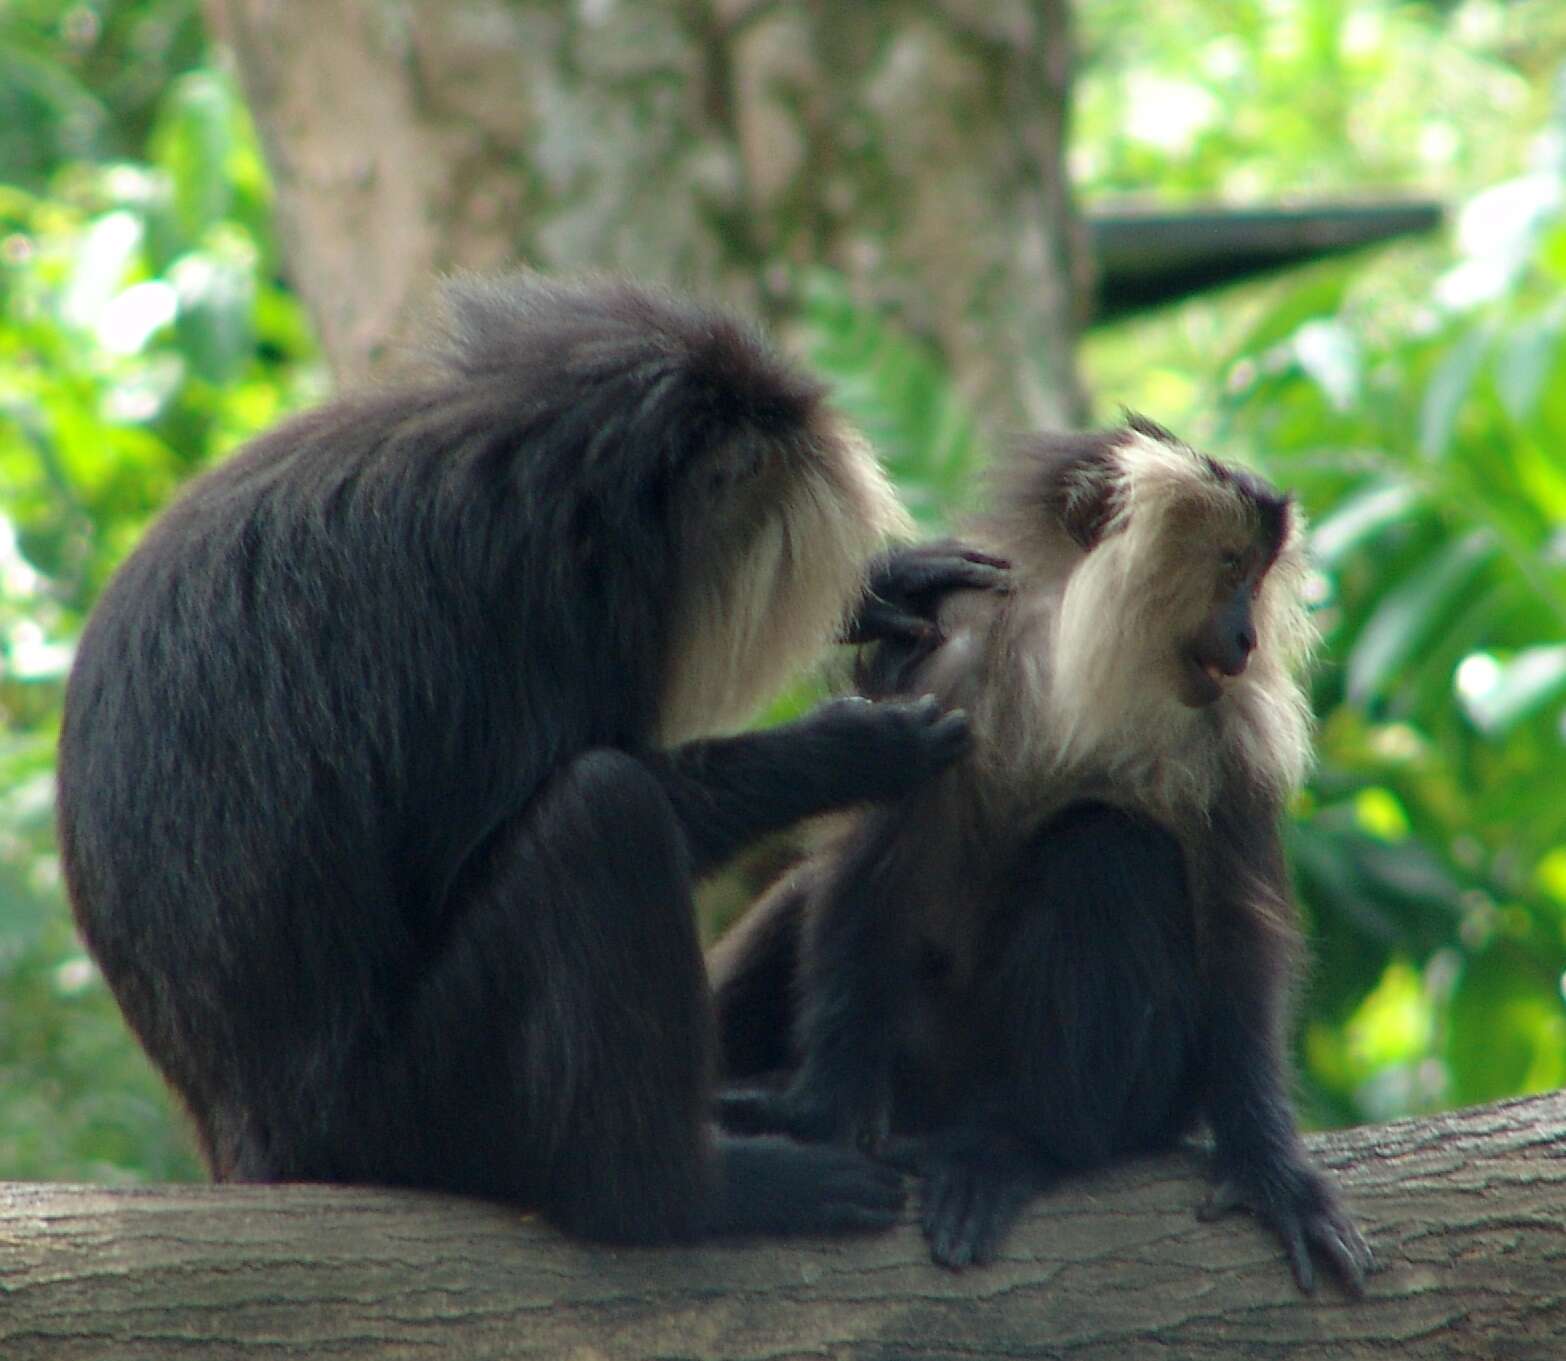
{"x": 378, "y": 797}
{"x": 1080, "y": 940}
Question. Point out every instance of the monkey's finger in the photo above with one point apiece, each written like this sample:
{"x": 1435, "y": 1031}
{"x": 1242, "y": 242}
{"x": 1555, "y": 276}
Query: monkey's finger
{"x": 948, "y": 1227}
{"x": 1346, "y": 1251}
{"x": 882, "y": 621}
{"x": 982, "y": 559}
{"x": 969, "y": 570}
{"x": 1299, "y": 1254}
{"x": 1001, "y": 1214}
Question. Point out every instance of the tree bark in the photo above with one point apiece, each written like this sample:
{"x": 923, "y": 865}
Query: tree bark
{"x": 725, "y": 146}
{"x": 1467, "y": 1213}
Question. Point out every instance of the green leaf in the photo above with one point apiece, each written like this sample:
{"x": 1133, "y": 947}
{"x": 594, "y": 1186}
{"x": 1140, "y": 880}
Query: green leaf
{"x": 215, "y": 325}
{"x": 1410, "y": 614}
{"x": 192, "y": 142}
{"x": 1319, "y": 294}
{"x": 1448, "y": 389}
{"x": 1360, "y": 517}
{"x": 1526, "y": 357}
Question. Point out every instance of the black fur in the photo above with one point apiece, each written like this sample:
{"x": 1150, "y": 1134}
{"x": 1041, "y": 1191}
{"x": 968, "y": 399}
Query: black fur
{"x": 361, "y": 804}
{"x": 1025, "y": 1003}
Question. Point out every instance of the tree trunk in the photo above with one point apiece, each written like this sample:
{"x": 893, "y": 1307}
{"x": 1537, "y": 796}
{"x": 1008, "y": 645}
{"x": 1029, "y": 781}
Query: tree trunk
{"x": 725, "y": 146}
{"x": 1466, "y": 1211}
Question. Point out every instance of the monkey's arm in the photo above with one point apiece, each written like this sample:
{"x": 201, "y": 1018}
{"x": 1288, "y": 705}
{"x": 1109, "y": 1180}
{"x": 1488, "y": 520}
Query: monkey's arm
{"x": 728, "y": 791}
{"x": 906, "y": 585}
{"x": 1260, "y": 1163}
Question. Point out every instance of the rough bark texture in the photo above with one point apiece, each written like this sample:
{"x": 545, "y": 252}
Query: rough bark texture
{"x": 720, "y": 145}
{"x": 1466, "y": 1211}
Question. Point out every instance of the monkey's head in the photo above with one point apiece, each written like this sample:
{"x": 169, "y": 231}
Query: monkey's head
{"x": 1164, "y": 581}
{"x": 693, "y": 482}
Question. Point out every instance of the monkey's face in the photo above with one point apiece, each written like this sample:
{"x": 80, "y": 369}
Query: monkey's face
{"x": 1184, "y": 548}
{"x": 1220, "y": 647}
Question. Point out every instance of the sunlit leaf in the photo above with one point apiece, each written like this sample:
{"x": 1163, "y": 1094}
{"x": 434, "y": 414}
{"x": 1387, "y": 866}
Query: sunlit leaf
{"x": 215, "y": 321}
{"x": 100, "y": 263}
{"x": 1508, "y": 1031}
{"x": 1525, "y": 359}
{"x": 1448, "y": 389}
{"x": 1517, "y": 689}
{"x": 1329, "y": 353}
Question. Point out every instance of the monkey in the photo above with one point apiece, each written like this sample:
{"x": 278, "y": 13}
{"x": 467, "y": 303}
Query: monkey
{"x": 1079, "y": 940}
{"x": 391, "y": 754}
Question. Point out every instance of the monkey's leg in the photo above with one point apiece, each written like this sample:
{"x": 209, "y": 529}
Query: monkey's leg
{"x": 1085, "y": 1025}
{"x": 754, "y": 971}
{"x": 567, "y": 1039}
{"x": 1260, "y": 1163}
{"x": 726, "y": 792}
{"x": 857, "y": 944}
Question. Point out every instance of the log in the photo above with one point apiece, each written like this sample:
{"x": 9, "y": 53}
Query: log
{"x": 1467, "y": 1212}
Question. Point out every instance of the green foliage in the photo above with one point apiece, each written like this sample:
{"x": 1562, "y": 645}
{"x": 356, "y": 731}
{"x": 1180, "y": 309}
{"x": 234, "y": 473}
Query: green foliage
{"x": 142, "y": 330}
{"x": 898, "y": 392}
{"x": 1246, "y": 99}
{"x": 83, "y": 81}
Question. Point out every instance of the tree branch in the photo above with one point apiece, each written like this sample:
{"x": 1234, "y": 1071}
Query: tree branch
{"x": 1467, "y": 1213}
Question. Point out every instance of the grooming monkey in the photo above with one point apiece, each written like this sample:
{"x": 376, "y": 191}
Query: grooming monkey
{"x": 1079, "y": 940}
{"x": 384, "y": 780}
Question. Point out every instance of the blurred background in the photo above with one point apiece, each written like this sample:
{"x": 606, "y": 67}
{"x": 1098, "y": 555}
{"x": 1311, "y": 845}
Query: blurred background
{"x": 1324, "y": 237}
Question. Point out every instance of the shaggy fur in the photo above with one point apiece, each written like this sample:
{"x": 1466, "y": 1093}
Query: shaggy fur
{"x": 368, "y": 799}
{"x": 1080, "y": 940}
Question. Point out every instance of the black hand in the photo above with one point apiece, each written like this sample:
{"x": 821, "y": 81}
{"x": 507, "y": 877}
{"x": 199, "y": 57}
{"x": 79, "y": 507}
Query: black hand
{"x": 905, "y": 586}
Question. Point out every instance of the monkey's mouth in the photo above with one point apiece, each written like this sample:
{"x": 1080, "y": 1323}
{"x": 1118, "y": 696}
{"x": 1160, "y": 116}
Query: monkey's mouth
{"x": 1206, "y": 679}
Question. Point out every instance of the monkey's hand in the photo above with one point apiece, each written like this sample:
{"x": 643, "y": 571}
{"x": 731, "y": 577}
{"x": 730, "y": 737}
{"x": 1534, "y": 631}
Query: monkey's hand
{"x": 905, "y": 586}
{"x": 884, "y": 750}
{"x": 1303, "y": 1209}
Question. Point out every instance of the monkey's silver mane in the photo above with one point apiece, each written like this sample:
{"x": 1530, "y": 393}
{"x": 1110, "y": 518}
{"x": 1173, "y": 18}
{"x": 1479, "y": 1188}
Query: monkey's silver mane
{"x": 1080, "y": 697}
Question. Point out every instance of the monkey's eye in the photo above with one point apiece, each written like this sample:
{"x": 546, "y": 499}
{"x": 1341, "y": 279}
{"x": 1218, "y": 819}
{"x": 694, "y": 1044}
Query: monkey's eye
{"x": 1230, "y": 562}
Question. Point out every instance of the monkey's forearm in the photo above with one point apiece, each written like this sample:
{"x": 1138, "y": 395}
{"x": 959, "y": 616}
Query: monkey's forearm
{"x": 729, "y": 791}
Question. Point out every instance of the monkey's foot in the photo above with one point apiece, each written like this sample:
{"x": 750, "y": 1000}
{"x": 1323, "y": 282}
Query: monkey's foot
{"x": 1302, "y": 1208}
{"x": 775, "y": 1186}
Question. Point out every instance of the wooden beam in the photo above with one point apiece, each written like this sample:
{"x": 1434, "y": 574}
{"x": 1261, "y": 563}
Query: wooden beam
{"x": 1145, "y": 259}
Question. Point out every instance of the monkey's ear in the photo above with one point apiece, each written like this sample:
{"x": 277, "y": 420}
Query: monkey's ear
{"x": 1075, "y": 480}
